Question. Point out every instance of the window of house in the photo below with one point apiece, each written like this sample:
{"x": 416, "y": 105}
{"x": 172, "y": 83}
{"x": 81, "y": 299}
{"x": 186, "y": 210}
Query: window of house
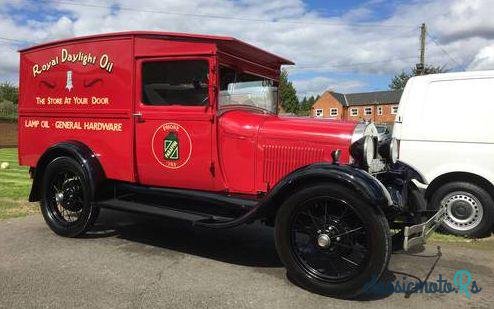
{"x": 333, "y": 112}
{"x": 354, "y": 112}
{"x": 182, "y": 82}
{"x": 379, "y": 110}
{"x": 319, "y": 113}
{"x": 368, "y": 111}
{"x": 394, "y": 110}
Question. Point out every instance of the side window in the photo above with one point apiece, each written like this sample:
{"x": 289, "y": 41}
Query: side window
{"x": 182, "y": 82}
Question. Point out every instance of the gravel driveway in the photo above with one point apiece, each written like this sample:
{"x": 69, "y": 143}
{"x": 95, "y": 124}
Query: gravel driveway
{"x": 132, "y": 261}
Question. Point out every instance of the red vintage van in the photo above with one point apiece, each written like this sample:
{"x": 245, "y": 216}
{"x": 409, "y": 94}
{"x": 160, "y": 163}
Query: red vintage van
{"x": 186, "y": 126}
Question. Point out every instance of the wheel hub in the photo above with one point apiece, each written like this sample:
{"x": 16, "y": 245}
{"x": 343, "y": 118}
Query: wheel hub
{"x": 66, "y": 195}
{"x": 59, "y": 197}
{"x": 323, "y": 241}
{"x": 461, "y": 210}
{"x": 464, "y": 210}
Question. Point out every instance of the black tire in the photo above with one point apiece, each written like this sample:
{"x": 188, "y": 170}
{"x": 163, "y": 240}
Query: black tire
{"x": 470, "y": 209}
{"x": 65, "y": 198}
{"x": 345, "y": 211}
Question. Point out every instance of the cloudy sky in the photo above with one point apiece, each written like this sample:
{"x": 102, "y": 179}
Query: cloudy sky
{"x": 342, "y": 45}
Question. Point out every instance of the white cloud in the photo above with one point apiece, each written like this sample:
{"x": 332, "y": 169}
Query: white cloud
{"x": 464, "y": 28}
{"x": 484, "y": 59}
{"x": 319, "y": 84}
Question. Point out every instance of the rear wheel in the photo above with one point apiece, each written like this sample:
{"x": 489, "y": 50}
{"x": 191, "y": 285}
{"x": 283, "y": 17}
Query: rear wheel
{"x": 469, "y": 209}
{"x": 331, "y": 241}
{"x": 65, "y": 200}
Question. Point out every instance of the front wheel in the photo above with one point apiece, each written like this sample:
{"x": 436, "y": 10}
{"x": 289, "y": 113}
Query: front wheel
{"x": 331, "y": 241}
{"x": 65, "y": 200}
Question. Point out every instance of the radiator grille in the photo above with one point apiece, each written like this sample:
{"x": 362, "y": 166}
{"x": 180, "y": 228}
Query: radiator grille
{"x": 281, "y": 160}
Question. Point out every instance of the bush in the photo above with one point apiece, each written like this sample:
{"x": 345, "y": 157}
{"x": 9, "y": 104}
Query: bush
{"x": 8, "y": 110}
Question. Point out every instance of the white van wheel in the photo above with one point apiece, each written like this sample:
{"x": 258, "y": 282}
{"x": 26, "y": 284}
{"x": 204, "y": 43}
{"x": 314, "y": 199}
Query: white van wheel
{"x": 464, "y": 210}
{"x": 470, "y": 209}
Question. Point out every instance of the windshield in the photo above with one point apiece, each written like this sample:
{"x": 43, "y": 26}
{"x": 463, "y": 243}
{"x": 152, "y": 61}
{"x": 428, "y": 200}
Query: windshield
{"x": 238, "y": 88}
{"x": 382, "y": 130}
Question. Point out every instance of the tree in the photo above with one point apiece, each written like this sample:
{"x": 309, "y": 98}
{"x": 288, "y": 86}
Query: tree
{"x": 400, "y": 80}
{"x": 9, "y": 92}
{"x": 288, "y": 94}
{"x": 304, "y": 107}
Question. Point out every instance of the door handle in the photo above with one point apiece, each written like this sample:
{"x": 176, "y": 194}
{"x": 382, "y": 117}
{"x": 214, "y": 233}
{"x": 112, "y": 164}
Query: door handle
{"x": 138, "y": 116}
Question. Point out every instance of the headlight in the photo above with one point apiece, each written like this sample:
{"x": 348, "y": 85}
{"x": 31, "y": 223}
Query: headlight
{"x": 369, "y": 150}
{"x": 394, "y": 150}
{"x": 363, "y": 149}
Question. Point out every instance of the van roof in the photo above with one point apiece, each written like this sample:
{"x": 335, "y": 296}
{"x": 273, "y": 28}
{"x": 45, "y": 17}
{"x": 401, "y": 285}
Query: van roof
{"x": 454, "y": 75}
{"x": 227, "y": 43}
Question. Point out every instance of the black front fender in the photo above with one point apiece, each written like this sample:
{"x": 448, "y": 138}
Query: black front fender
{"x": 356, "y": 179}
{"x": 76, "y": 150}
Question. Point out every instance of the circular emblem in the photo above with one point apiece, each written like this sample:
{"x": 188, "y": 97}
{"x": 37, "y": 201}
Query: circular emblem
{"x": 171, "y": 145}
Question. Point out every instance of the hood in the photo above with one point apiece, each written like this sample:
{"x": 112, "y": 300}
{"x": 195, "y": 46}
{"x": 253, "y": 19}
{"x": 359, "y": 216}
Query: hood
{"x": 313, "y": 130}
{"x": 317, "y": 138}
{"x": 257, "y": 150}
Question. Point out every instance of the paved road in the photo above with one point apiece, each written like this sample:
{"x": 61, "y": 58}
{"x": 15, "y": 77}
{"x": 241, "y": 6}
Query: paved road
{"x": 131, "y": 261}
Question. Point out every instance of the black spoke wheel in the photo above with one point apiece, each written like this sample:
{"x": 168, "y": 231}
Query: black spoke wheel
{"x": 65, "y": 202}
{"x": 332, "y": 241}
{"x": 329, "y": 239}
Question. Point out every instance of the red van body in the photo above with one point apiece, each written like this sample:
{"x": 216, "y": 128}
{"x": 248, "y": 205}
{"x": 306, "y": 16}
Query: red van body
{"x": 89, "y": 90}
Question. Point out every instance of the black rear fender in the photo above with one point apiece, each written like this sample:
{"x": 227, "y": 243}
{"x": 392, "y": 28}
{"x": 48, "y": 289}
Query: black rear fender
{"x": 76, "y": 150}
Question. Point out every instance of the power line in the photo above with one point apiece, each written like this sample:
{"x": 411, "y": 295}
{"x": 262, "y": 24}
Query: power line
{"x": 352, "y": 64}
{"x": 337, "y": 65}
{"x": 442, "y": 49}
{"x": 16, "y": 40}
{"x": 224, "y": 17}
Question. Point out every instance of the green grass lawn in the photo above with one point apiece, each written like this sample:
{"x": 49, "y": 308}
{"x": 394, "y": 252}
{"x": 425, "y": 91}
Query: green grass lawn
{"x": 14, "y": 187}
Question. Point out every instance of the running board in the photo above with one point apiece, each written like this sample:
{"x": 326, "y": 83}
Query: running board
{"x": 163, "y": 211}
{"x": 207, "y": 209}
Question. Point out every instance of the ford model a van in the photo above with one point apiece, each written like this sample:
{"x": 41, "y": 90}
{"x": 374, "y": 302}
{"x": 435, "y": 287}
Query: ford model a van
{"x": 186, "y": 126}
{"x": 444, "y": 129}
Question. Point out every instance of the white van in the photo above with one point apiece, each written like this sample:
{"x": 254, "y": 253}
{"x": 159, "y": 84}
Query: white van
{"x": 445, "y": 130}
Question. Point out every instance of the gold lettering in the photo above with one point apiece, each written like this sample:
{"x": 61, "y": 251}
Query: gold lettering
{"x": 65, "y": 54}
{"x": 36, "y": 70}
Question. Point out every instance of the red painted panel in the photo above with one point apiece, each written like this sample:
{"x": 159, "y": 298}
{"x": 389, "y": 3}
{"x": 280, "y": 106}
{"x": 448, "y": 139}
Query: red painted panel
{"x": 257, "y": 150}
{"x": 74, "y": 92}
{"x": 280, "y": 160}
{"x": 147, "y": 47}
{"x": 190, "y": 127}
{"x": 238, "y": 132}
{"x": 287, "y": 143}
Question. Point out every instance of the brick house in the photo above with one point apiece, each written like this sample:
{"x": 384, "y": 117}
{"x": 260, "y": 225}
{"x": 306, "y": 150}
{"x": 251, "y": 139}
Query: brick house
{"x": 378, "y": 106}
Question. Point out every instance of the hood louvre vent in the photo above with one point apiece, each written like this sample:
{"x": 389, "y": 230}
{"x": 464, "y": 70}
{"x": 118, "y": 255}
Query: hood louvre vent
{"x": 281, "y": 160}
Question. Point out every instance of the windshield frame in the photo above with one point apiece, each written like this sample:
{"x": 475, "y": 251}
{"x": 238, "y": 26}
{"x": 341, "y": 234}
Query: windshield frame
{"x": 246, "y": 67}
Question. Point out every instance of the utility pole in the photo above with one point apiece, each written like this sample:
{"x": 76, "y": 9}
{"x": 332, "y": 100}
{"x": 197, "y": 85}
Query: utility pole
{"x": 421, "y": 66}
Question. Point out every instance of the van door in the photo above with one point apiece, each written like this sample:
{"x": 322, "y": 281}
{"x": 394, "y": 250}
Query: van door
{"x": 173, "y": 122}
